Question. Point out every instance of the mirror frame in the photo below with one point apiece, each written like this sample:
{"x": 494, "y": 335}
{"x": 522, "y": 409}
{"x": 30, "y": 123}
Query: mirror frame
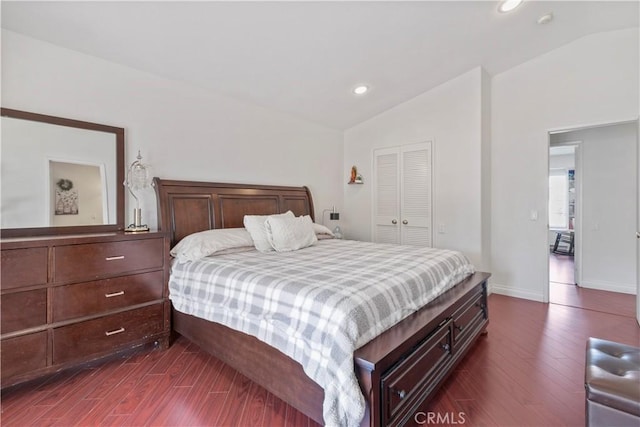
{"x": 75, "y": 229}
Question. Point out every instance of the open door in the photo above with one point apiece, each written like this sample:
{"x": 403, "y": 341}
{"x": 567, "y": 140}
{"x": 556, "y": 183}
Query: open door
{"x": 638, "y": 226}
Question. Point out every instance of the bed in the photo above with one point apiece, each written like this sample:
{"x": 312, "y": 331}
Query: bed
{"x": 398, "y": 371}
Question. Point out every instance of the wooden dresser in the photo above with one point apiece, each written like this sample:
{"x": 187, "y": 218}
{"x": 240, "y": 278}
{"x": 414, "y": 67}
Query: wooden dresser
{"x": 71, "y": 299}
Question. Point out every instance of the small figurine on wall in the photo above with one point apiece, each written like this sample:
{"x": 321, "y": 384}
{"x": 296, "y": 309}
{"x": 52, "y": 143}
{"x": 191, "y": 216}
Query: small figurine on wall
{"x": 355, "y": 178}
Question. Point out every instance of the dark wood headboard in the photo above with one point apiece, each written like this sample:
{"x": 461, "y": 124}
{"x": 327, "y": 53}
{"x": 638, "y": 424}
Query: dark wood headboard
{"x": 186, "y": 207}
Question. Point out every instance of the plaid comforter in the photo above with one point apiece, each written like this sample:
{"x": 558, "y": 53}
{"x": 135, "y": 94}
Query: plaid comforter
{"x": 318, "y": 304}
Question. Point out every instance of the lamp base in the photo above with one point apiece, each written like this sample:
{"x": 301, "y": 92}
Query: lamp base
{"x": 137, "y": 225}
{"x": 133, "y": 229}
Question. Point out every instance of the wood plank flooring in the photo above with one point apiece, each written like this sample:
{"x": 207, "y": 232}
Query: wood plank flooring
{"x": 561, "y": 269}
{"x": 528, "y": 370}
{"x": 562, "y": 290}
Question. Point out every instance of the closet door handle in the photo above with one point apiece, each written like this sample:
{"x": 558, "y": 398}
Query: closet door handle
{"x": 394, "y": 222}
{"x": 405, "y": 222}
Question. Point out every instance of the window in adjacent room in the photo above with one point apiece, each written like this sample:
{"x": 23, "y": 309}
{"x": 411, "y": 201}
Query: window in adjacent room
{"x": 559, "y": 199}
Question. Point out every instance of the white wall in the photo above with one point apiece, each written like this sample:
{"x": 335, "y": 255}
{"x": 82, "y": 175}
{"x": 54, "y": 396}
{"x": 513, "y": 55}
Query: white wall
{"x": 183, "y": 132}
{"x": 608, "y": 205}
{"x": 593, "y": 80}
{"x": 485, "y": 166}
{"x": 450, "y": 116}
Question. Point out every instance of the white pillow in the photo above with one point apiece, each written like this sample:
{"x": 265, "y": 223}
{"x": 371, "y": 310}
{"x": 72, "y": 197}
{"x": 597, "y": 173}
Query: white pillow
{"x": 205, "y": 243}
{"x": 255, "y": 226}
{"x": 322, "y": 232}
{"x": 290, "y": 234}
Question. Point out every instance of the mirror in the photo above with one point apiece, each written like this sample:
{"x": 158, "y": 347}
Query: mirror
{"x": 59, "y": 176}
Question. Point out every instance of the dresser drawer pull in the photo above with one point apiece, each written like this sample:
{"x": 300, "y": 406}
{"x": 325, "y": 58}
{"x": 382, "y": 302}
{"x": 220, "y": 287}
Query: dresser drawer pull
{"x": 115, "y": 294}
{"x": 117, "y": 331}
{"x": 114, "y": 258}
{"x": 401, "y": 393}
{"x": 445, "y": 347}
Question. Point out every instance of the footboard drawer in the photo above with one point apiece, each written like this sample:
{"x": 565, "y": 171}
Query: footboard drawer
{"x": 415, "y": 376}
{"x": 468, "y": 319}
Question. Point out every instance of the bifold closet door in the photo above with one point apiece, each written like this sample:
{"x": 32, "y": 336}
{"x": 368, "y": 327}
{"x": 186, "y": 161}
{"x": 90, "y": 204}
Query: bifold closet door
{"x": 403, "y": 195}
{"x": 386, "y": 194}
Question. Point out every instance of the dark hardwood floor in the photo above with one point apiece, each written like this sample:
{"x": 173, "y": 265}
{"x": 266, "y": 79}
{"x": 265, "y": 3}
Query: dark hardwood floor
{"x": 529, "y": 370}
{"x": 561, "y": 269}
{"x": 562, "y": 290}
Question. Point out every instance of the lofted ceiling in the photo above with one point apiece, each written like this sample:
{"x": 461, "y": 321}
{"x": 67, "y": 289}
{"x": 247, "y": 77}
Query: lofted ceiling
{"x": 304, "y": 58}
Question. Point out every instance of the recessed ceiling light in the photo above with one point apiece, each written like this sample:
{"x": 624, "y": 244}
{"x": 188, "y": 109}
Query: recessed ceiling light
{"x": 545, "y": 19}
{"x": 509, "y": 5}
{"x": 360, "y": 90}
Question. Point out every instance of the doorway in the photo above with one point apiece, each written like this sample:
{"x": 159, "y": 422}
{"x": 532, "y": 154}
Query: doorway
{"x": 592, "y": 215}
{"x": 564, "y": 205}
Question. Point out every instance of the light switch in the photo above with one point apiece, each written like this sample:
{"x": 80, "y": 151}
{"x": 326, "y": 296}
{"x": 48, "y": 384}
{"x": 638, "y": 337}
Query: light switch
{"x": 533, "y": 215}
{"x": 441, "y": 228}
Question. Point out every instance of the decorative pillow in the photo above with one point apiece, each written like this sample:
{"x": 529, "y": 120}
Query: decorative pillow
{"x": 322, "y": 232}
{"x": 290, "y": 234}
{"x": 205, "y": 243}
{"x": 256, "y": 228}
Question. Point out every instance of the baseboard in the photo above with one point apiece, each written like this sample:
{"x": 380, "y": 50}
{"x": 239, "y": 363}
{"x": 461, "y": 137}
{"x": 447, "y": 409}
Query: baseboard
{"x": 611, "y": 287}
{"x": 512, "y": 292}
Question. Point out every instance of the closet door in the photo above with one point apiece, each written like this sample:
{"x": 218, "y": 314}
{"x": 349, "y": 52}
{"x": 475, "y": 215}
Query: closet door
{"x": 402, "y": 195}
{"x": 386, "y": 195}
{"x": 416, "y": 194}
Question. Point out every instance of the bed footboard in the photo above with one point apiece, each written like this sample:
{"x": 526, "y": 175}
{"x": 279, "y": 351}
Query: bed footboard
{"x": 402, "y": 369}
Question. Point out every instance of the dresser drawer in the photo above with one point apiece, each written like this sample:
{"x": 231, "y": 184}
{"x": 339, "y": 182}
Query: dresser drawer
{"x": 416, "y": 375}
{"x": 22, "y": 310}
{"x": 94, "y": 260}
{"x": 77, "y": 341}
{"x": 23, "y": 267}
{"x": 468, "y": 318}
{"x": 21, "y": 355}
{"x": 91, "y": 298}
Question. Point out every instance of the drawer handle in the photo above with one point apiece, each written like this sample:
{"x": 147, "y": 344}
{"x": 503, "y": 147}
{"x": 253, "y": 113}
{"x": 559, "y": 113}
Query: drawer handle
{"x": 114, "y": 258}
{"x": 445, "y": 347}
{"x": 117, "y": 331}
{"x": 401, "y": 393}
{"x": 459, "y": 328}
{"x": 115, "y": 294}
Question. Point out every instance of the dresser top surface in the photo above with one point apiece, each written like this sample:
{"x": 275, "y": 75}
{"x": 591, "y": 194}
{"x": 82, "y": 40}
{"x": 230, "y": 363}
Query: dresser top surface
{"x": 17, "y": 242}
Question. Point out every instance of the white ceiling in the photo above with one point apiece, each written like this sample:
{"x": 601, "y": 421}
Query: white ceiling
{"x": 305, "y": 57}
